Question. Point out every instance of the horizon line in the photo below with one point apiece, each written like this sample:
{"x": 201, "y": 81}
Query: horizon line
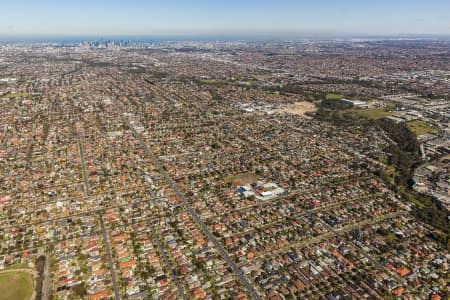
{"x": 206, "y": 36}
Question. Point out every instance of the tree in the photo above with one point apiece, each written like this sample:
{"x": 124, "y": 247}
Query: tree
{"x": 79, "y": 290}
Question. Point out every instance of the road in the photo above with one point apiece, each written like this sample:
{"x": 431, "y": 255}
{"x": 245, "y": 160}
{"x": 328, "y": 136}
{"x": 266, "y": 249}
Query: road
{"x": 163, "y": 253}
{"x": 46, "y": 281}
{"x": 250, "y": 290}
{"x": 291, "y": 194}
{"x": 82, "y": 213}
{"x": 83, "y": 165}
{"x": 296, "y": 216}
{"x": 109, "y": 257}
{"x": 167, "y": 260}
{"x": 100, "y": 218}
{"x": 332, "y": 233}
{"x": 355, "y": 248}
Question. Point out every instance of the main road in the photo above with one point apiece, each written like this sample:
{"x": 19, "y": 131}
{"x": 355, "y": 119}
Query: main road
{"x": 250, "y": 290}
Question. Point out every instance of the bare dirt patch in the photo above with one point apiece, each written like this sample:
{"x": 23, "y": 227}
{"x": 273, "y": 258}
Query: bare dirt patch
{"x": 298, "y": 108}
{"x": 242, "y": 179}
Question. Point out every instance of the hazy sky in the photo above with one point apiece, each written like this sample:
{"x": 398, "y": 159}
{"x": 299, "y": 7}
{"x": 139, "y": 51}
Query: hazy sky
{"x": 223, "y": 17}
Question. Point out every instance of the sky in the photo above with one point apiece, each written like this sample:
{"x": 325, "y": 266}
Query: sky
{"x": 223, "y": 17}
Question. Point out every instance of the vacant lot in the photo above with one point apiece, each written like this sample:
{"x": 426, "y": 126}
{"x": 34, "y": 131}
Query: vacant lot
{"x": 242, "y": 178}
{"x": 419, "y": 127}
{"x": 372, "y": 113}
{"x": 298, "y": 108}
{"x": 16, "y": 286}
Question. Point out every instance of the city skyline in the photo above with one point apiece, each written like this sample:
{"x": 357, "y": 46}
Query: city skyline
{"x": 230, "y": 18}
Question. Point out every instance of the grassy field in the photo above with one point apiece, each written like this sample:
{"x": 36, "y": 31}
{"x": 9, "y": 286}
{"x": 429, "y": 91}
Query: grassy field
{"x": 13, "y": 95}
{"x": 17, "y": 266}
{"x": 420, "y": 127}
{"x": 16, "y": 286}
{"x": 372, "y": 113}
{"x": 332, "y": 96}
